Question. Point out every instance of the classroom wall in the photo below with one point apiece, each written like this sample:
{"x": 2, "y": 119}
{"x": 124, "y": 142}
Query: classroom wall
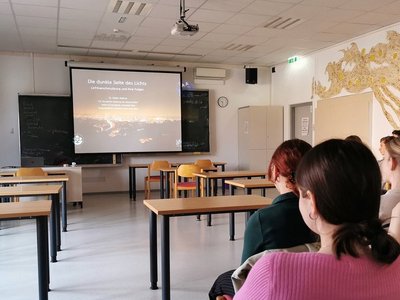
{"x": 292, "y": 83}
{"x": 47, "y": 74}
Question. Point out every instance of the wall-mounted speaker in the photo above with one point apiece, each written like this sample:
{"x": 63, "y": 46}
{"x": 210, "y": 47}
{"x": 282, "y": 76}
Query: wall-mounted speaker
{"x": 251, "y": 75}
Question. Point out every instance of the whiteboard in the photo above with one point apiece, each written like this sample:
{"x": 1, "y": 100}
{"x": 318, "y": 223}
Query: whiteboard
{"x": 343, "y": 116}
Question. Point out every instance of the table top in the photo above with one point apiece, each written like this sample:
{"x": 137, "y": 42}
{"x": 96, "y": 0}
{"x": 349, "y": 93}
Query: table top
{"x": 174, "y": 164}
{"x": 172, "y": 169}
{"x": 230, "y": 174}
{"x": 7, "y": 173}
{"x": 33, "y": 179}
{"x": 195, "y": 205}
{"x": 25, "y": 209}
{"x": 251, "y": 183}
{"x": 30, "y": 190}
{"x": 210, "y": 169}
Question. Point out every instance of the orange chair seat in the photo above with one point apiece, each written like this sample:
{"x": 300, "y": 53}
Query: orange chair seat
{"x": 186, "y": 184}
{"x": 153, "y": 177}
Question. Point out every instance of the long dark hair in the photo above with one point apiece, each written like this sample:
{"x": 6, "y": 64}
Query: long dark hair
{"x": 345, "y": 179}
{"x": 286, "y": 158}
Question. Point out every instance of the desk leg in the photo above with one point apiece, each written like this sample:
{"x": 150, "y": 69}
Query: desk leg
{"x": 208, "y": 191}
{"x": 153, "y": 251}
{"x": 53, "y": 230}
{"x": 215, "y": 187}
{"x": 42, "y": 255}
{"x": 161, "y": 185}
{"x": 231, "y": 226}
{"x": 132, "y": 183}
{"x": 58, "y": 221}
{"x": 167, "y": 185}
{"x": 198, "y": 192}
{"x": 165, "y": 260}
{"x": 232, "y": 217}
{"x": 64, "y": 206}
{"x": 249, "y": 213}
{"x": 223, "y": 180}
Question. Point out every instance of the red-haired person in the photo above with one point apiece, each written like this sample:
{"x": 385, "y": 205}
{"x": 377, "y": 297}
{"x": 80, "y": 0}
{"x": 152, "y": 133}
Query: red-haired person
{"x": 279, "y": 225}
{"x": 339, "y": 183}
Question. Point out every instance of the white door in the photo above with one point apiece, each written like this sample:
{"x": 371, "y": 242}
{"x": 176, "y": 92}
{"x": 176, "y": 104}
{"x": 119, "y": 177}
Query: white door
{"x": 301, "y": 121}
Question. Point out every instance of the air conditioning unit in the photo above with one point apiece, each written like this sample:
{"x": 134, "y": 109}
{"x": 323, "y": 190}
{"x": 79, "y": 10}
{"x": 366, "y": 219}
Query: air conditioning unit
{"x": 210, "y": 73}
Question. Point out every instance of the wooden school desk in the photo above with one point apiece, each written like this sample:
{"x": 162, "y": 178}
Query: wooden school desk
{"x": 132, "y": 174}
{"x": 39, "y": 210}
{"x": 176, "y": 207}
{"x": 62, "y": 179}
{"x": 209, "y": 176}
{"x": 41, "y": 190}
{"x": 248, "y": 185}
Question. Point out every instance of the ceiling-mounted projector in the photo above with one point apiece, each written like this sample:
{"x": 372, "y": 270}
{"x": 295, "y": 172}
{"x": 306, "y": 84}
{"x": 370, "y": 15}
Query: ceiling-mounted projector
{"x": 181, "y": 27}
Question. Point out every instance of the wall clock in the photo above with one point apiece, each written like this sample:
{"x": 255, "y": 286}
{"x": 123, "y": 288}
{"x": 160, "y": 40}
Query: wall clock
{"x": 222, "y": 101}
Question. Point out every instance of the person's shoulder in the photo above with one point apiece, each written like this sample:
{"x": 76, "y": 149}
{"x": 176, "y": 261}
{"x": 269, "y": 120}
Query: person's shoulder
{"x": 293, "y": 259}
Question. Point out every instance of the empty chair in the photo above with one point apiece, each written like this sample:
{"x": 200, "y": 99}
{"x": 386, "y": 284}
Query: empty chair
{"x": 184, "y": 179}
{"x": 154, "y": 167}
{"x": 34, "y": 171}
{"x": 205, "y": 165}
{"x": 30, "y": 172}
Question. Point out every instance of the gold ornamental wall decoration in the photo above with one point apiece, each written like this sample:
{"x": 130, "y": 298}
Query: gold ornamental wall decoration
{"x": 378, "y": 69}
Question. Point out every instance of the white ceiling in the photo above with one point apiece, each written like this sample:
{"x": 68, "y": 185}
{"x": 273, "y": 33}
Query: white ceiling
{"x": 89, "y": 27}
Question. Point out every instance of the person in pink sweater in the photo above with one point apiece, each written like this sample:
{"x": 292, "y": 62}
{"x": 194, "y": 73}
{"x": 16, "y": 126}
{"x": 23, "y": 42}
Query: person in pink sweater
{"x": 339, "y": 183}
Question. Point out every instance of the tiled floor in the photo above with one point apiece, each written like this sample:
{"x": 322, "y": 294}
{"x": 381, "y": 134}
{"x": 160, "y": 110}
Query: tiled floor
{"x": 105, "y": 253}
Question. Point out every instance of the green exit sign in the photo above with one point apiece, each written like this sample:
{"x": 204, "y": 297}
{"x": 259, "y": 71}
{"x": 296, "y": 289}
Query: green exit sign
{"x": 292, "y": 59}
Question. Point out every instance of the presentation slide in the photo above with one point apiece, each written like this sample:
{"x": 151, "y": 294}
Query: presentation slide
{"x": 123, "y": 111}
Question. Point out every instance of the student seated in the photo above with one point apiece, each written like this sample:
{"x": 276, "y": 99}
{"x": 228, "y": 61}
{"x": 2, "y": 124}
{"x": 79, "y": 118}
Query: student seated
{"x": 279, "y": 225}
{"x": 390, "y": 169}
{"x": 339, "y": 183}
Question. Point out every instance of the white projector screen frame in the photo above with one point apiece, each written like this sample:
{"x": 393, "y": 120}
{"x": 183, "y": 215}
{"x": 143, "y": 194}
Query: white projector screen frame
{"x": 126, "y": 111}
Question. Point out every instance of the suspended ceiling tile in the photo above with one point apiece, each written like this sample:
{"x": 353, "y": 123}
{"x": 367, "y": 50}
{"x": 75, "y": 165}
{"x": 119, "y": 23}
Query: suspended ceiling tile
{"x": 391, "y": 8}
{"x": 248, "y": 19}
{"x": 35, "y": 11}
{"x": 367, "y": 5}
{"x": 5, "y": 9}
{"x": 266, "y": 8}
{"x": 80, "y": 14}
{"x": 204, "y": 15}
{"x": 232, "y": 29}
{"x": 96, "y": 5}
{"x": 219, "y": 37}
{"x": 87, "y": 26}
{"x": 227, "y": 5}
{"x": 324, "y": 3}
{"x": 52, "y": 3}
{"x": 64, "y": 33}
{"x": 74, "y": 42}
{"x": 36, "y": 22}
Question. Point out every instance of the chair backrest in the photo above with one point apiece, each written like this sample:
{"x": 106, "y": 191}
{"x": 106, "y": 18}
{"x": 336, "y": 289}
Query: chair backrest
{"x": 156, "y": 165}
{"x": 30, "y": 172}
{"x": 204, "y": 163}
{"x": 186, "y": 171}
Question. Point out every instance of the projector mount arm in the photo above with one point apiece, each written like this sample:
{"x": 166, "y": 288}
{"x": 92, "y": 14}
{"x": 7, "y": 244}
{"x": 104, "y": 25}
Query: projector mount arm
{"x": 183, "y": 12}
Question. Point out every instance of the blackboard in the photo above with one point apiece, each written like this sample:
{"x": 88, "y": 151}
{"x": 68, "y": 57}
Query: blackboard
{"x": 46, "y": 130}
{"x": 195, "y": 121}
{"x": 46, "y": 133}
